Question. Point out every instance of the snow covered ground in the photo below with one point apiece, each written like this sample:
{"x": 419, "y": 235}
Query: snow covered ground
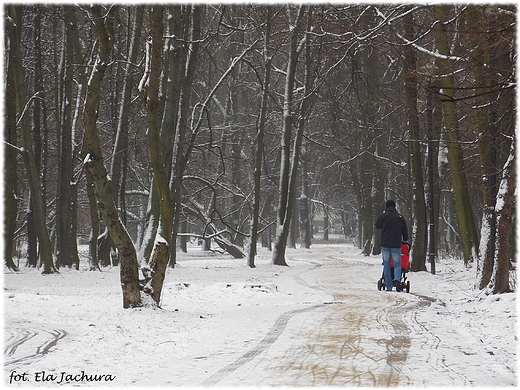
{"x": 320, "y": 321}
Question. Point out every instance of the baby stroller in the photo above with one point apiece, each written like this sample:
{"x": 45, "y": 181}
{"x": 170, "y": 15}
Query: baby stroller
{"x": 405, "y": 262}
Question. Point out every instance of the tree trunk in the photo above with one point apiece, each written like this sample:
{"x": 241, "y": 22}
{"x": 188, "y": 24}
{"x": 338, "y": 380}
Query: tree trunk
{"x": 183, "y": 143}
{"x": 121, "y": 141}
{"x": 234, "y": 122}
{"x": 305, "y": 211}
{"x": 356, "y": 184}
{"x": 436, "y": 130}
{"x": 129, "y": 272}
{"x": 14, "y": 27}
{"x": 212, "y": 232}
{"x": 365, "y": 181}
{"x": 284, "y": 194}
{"x": 260, "y": 143}
{"x": 32, "y": 236}
{"x": 176, "y": 54}
{"x": 326, "y": 223}
{"x": 32, "y": 247}
{"x": 505, "y": 235}
{"x": 180, "y": 70}
{"x": 183, "y": 239}
{"x": 79, "y": 155}
{"x": 420, "y": 241}
{"x": 378, "y": 194}
{"x": 150, "y": 90}
{"x": 10, "y": 178}
{"x": 365, "y": 72}
{"x": 480, "y": 58}
{"x": 106, "y": 244}
{"x": 65, "y": 242}
{"x": 152, "y": 221}
{"x": 462, "y": 204}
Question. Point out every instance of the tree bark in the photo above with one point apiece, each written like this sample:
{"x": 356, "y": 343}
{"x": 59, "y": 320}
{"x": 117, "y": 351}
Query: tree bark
{"x": 284, "y": 191}
{"x": 298, "y": 148}
{"x": 379, "y": 175}
{"x": 65, "y": 241}
{"x": 255, "y": 215}
{"x": 79, "y": 155}
{"x": 150, "y": 90}
{"x": 14, "y": 27}
{"x": 32, "y": 236}
{"x": 462, "y": 204}
{"x": 121, "y": 141}
{"x": 480, "y": 57}
{"x": 420, "y": 241}
{"x": 182, "y": 59}
{"x": 129, "y": 272}
{"x": 505, "y": 234}
{"x": 177, "y": 53}
{"x": 305, "y": 199}
{"x": 10, "y": 178}
{"x": 183, "y": 143}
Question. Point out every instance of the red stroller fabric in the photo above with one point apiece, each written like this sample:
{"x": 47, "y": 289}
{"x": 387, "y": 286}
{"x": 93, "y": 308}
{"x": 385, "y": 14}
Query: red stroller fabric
{"x": 405, "y": 256}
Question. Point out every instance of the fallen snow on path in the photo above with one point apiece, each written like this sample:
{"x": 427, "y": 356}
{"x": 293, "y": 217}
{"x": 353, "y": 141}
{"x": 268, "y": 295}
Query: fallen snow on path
{"x": 219, "y": 318}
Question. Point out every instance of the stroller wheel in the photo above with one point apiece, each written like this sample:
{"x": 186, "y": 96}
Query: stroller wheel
{"x": 408, "y": 286}
{"x": 379, "y": 284}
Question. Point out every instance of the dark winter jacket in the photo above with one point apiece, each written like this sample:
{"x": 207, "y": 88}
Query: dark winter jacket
{"x": 394, "y": 228}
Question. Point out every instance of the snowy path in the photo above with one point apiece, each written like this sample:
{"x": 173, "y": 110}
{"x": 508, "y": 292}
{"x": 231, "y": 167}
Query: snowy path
{"x": 360, "y": 338}
{"x": 319, "y": 322}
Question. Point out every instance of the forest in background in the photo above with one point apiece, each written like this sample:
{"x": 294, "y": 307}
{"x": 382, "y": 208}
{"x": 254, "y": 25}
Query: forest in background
{"x": 134, "y": 128}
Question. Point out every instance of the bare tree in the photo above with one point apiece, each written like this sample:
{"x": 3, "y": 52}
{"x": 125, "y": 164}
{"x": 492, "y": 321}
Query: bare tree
{"x": 419, "y": 243}
{"x": 505, "y": 209}
{"x": 465, "y": 217}
{"x": 10, "y": 177}
{"x": 260, "y": 135}
{"x": 217, "y": 166}
{"x": 149, "y": 87}
{"x": 289, "y": 161}
{"x": 14, "y": 28}
{"x": 94, "y": 161}
{"x": 66, "y": 242}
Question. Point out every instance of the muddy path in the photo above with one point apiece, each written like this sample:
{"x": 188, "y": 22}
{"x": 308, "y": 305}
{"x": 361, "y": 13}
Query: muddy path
{"x": 360, "y": 337}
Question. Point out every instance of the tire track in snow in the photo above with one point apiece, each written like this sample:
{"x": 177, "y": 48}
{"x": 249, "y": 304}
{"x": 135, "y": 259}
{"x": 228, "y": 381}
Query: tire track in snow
{"x": 349, "y": 348}
{"x": 397, "y": 346}
{"x": 435, "y": 358}
{"x": 359, "y": 339}
{"x": 266, "y": 342}
{"x": 26, "y": 342}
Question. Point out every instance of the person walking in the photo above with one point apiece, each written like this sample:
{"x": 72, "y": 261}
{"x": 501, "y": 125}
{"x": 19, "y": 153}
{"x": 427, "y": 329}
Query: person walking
{"x": 393, "y": 232}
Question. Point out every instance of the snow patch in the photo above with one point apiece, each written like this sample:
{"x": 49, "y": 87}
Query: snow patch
{"x": 215, "y": 310}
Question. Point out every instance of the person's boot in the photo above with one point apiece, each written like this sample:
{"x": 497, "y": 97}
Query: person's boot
{"x": 397, "y": 285}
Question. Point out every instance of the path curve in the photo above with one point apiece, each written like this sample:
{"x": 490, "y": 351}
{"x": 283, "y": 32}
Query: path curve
{"x": 359, "y": 338}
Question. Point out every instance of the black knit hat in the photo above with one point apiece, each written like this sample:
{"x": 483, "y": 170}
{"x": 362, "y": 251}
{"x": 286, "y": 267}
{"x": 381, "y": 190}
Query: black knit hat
{"x": 390, "y": 203}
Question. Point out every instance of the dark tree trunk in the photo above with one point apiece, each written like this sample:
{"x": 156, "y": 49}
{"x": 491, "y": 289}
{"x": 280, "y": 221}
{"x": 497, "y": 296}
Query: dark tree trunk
{"x": 183, "y": 142}
{"x": 14, "y": 27}
{"x": 461, "y": 199}
{"x": 65, "y": 241}
{"x": 260, "y": 143}
{"x": 95, "y": 167}
{"x": 505, "y": 242}
{"x": 10, "y": 178}
{"x": 149, "y": 87}
{"x": 420, "y": 241}
{"x": 284, "y": 192}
